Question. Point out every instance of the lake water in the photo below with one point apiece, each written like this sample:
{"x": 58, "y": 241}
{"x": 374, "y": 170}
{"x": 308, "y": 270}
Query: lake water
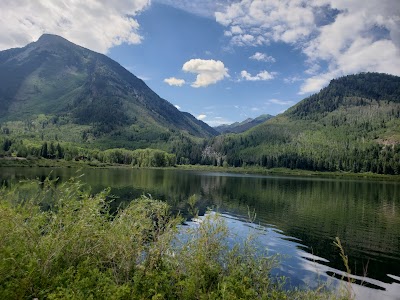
{"x": 296, "y": 217}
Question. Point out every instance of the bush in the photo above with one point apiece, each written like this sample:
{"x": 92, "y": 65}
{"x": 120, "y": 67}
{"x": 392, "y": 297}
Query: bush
{"x": 63, "y": 242}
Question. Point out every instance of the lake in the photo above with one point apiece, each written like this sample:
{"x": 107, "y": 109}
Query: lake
{"x": 297, "y": 217}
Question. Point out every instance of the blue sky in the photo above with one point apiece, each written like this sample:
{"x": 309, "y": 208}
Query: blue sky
{"x": 228, "y": 60}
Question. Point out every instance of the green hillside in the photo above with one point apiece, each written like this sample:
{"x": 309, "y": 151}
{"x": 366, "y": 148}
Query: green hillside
{"x": 351, "y": 125}
{"x": 54, "y": 90}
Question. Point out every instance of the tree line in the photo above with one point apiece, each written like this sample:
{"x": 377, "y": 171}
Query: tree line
{"x": 51, "y": 150}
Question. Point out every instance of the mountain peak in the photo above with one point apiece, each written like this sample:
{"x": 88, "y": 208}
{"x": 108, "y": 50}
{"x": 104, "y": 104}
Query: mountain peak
{"x": 48, "y": 36}
{"x": 52, "y": 38}
{"x": 55, "y": 77}
{"x": 53, "y": 41}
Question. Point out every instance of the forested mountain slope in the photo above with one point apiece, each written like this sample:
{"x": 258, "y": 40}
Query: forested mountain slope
{"x": 53, "y": 89}
{"x": 352, "y": 125}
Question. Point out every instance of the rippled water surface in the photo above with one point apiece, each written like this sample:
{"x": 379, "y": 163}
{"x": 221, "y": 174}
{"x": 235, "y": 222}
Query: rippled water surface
{"x": 298, "y": 218}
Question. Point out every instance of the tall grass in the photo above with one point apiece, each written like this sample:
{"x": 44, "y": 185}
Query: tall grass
{"x": 348, "y": 291}
{"x": 61, "y": 242}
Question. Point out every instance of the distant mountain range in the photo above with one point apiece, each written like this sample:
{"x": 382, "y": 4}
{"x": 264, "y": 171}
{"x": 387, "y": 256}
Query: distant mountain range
{"x": 239, "y": 127}
{"x": 89, "y": 93}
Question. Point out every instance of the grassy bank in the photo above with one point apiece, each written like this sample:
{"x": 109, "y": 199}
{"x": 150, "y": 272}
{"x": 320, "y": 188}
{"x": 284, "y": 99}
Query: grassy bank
{"x": 63, "y": 243}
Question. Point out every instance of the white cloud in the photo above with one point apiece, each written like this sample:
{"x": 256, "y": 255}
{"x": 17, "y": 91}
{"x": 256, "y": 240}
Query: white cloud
{"x": 274, "y": 20}
{"x": 262, "y": 57}
{"x": 245, "y": 40}
{"x": 217, "y": 121}
{"x": 313, "y": 68}
{"x": 363, "y": 55}
{"x": 292, "y": 79}
{"x": 172, "y": 81}
{"x": 281, "y": 102}
{"x": 227, "y": 33}
{"x": 315, "y": 83}
{"x": 236, "y": 30}
{"x": 201, "y": 117}
{"x": 359, "y": 49}
{"x": 204, "y": 8}
{"x": 177, "y": 106}
{"x": 338, "y": 37}
{"x": 263, "y": 75}
{"x": 208, "y": 71}
{"x": 97, "y": 25}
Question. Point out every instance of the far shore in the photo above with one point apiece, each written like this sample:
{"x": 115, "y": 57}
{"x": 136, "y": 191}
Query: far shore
{"x": 256, "y": 170}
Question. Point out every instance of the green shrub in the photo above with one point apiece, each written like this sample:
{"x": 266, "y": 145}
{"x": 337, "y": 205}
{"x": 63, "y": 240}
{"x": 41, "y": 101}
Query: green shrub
{"x": 61, "y": 242}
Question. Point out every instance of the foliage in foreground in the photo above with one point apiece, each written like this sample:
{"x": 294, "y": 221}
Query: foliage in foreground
{"x": 63, "y": 242}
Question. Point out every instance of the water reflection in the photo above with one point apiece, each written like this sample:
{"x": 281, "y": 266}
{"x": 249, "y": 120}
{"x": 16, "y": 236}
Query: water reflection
{"x": 305, "y": 269}
{"x": 301, "y": 216}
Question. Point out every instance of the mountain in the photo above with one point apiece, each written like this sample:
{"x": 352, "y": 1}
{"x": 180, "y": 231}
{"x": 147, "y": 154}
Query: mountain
{"x": 239, "y": 127}
{"x": 60, "y": 98}
{"x": 85, "y": 97}
{"x": 351, "y": 125}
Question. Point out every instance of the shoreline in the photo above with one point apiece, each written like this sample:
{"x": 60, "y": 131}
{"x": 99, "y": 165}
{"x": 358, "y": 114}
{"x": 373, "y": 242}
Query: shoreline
{"x": 47, "y": 163}
{"x": 290, "y": 172}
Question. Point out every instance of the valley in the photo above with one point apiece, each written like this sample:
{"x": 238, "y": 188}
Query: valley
{"x": 63, "y": 101}
{"x": 67, "y": 102}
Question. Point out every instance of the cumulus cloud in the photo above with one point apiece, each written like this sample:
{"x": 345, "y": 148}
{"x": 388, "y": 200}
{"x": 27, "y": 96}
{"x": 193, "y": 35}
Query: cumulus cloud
{"x": 236, "y": 30}
{"x": 172, "y": 81}
{"x": 315, "y": 83}
{"x": 360, "y": 49}
{"x": 95, "y": 24}
{"x": 338, "y": 37}
{"x": 274, "y": 20}
{"x": 208, "y": 71}
{"x": 263, "y": 75}
{"x": 245, "y": 39}
{"x": 281, "y": 102}
{"x": 201, "y": 117}
{"x": 262, "y": 57}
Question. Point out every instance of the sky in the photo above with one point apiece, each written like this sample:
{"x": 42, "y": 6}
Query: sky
{"x": 227, "y": 60}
